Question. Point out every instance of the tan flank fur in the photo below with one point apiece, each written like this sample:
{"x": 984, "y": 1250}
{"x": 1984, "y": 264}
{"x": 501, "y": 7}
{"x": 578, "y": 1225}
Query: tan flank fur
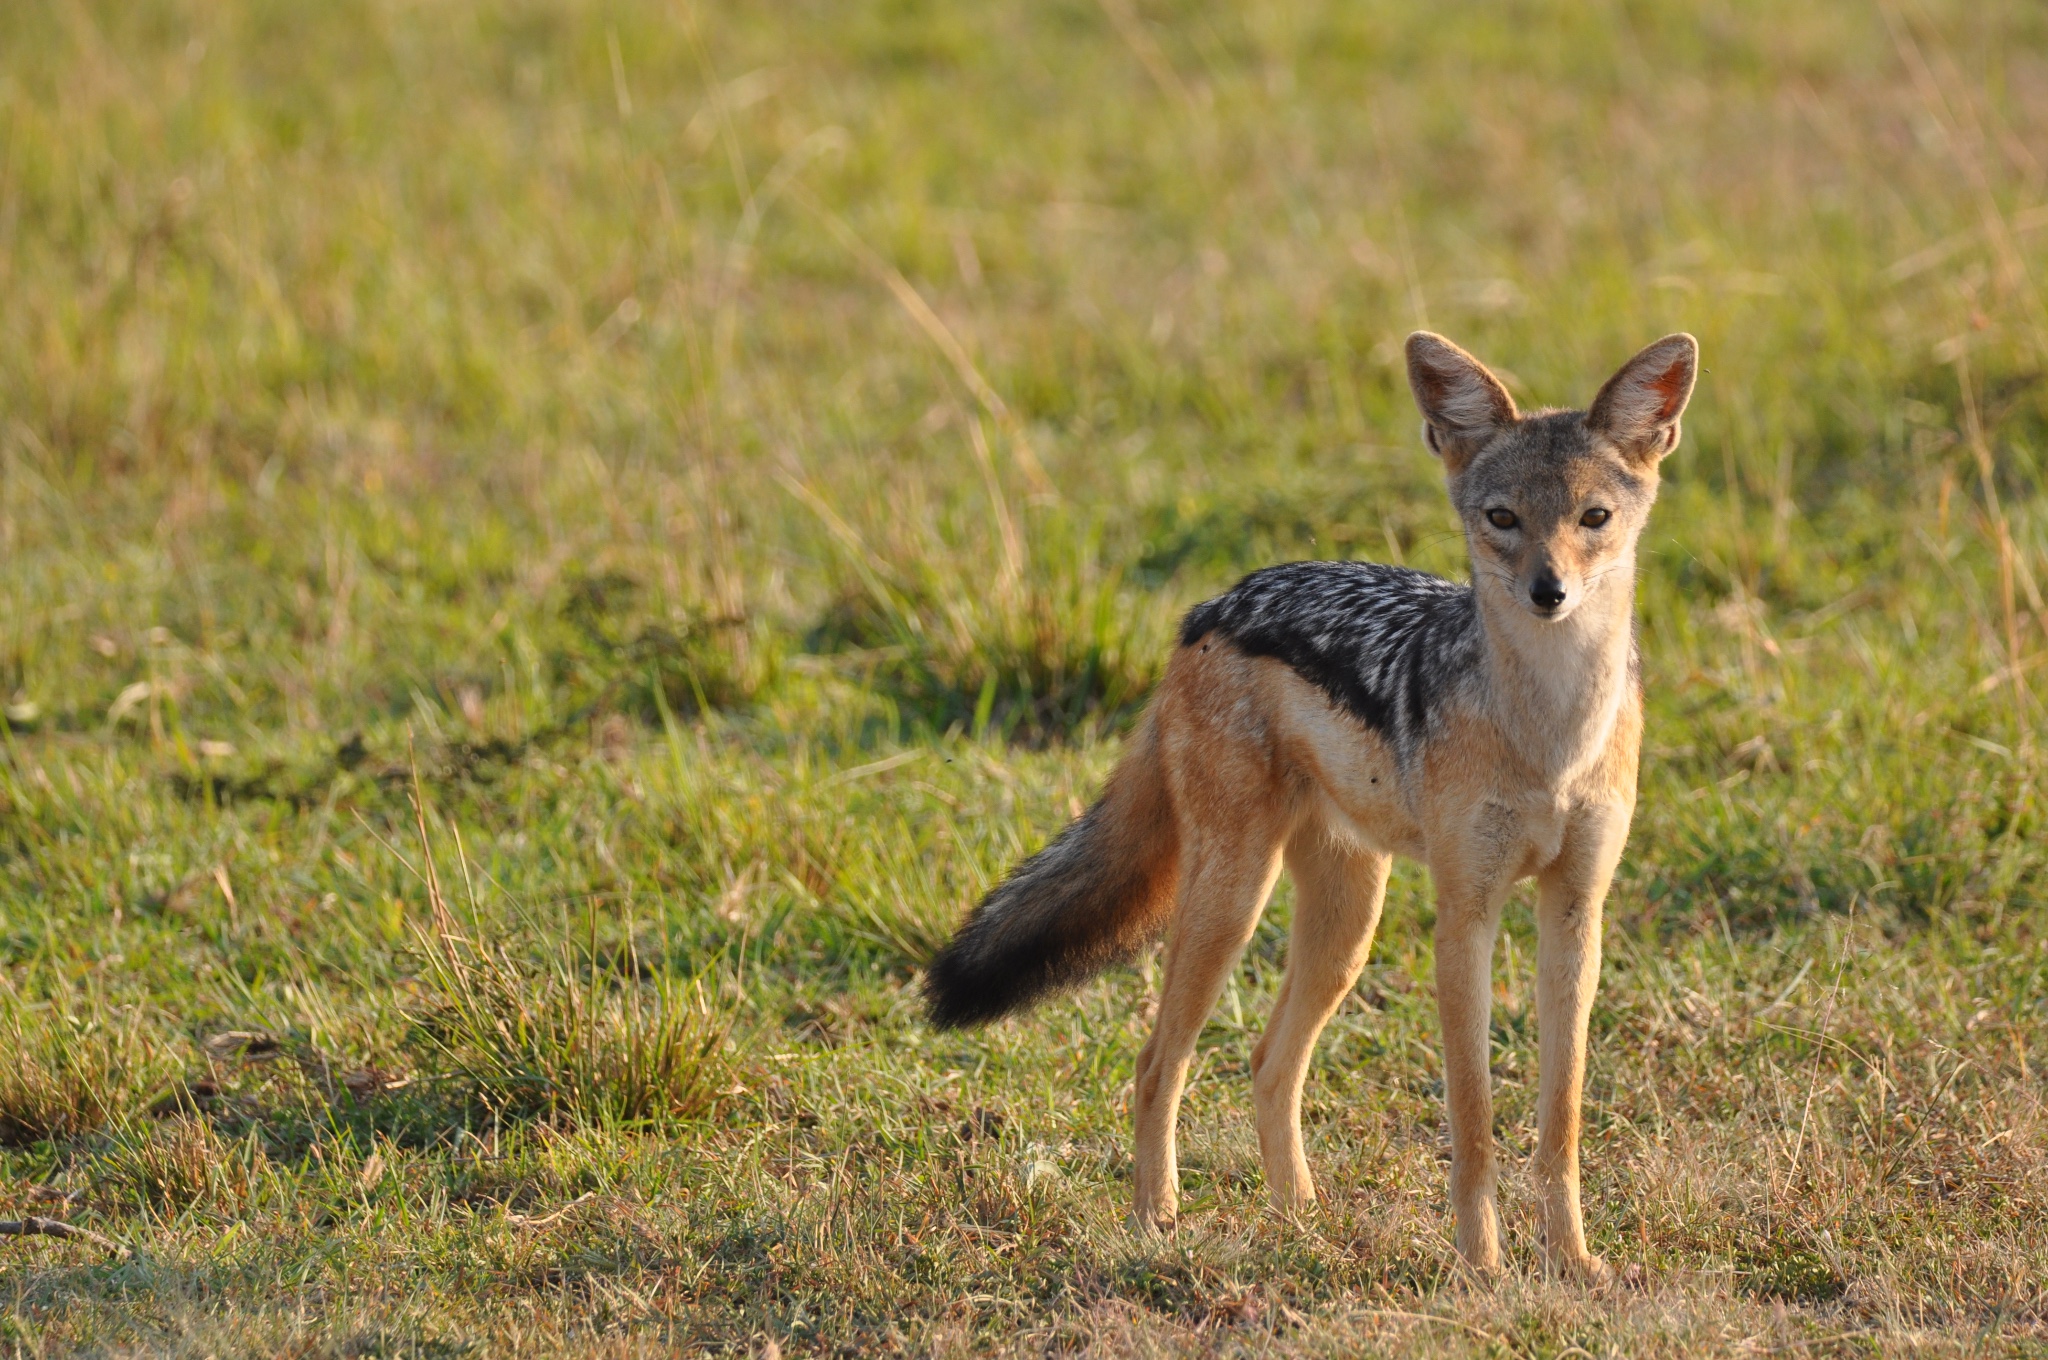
{"x": 1524, "y": 768}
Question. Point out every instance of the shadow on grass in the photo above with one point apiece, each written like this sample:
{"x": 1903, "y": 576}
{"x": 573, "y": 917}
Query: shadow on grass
{"x": 1038, "y": 666}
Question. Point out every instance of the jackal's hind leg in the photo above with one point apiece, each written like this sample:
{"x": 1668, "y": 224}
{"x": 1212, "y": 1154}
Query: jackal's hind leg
{"x": 1224, "y": 885}
{"x": 1338, "y": 891}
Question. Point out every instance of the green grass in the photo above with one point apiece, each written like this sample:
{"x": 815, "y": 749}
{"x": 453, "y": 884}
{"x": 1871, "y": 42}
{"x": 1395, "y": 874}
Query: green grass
{"x": 549, "y": 551}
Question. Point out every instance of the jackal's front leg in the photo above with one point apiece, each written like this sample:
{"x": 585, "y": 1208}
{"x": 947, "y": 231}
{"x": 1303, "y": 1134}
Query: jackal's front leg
{"x": 1570, "y": 894}
{"x": 1468, "y": 913}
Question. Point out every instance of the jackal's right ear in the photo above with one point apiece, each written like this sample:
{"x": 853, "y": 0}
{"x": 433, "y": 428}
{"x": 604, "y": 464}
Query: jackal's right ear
{"x": 1463, "y": 405}
{"x": 1639, "y": 408}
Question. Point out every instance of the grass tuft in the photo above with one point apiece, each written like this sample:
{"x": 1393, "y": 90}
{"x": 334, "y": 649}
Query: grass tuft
{"x": 74, "y": 1066}
{"x": 1068, "y": 654}
{"x": 181, "y": 1163}
{"x": 542, "y": 1030}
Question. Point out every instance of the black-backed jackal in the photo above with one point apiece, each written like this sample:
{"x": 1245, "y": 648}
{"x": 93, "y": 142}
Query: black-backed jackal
{"x": 1330, "y": 715}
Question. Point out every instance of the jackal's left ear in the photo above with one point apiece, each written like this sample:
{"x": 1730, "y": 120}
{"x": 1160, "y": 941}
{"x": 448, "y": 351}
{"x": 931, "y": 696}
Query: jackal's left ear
{"x": 1639, "y": 408}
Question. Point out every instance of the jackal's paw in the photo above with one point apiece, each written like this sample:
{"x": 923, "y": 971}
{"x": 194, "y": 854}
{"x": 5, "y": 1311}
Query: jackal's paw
{"x": 1293, "y": 1199}
{"x": 1480, "y": 1262}
{"x": 1592, "y": 1272}
{"x": 1151, "y": 1223}
{"x": 1480, "y": 1275}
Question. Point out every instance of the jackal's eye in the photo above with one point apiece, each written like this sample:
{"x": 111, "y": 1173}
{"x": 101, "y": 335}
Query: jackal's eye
{"x": 1595, "y": 517}
{"x": 1502, "y": 519}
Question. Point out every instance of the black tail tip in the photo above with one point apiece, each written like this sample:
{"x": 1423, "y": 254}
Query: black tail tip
{"x": 957, "y": 997}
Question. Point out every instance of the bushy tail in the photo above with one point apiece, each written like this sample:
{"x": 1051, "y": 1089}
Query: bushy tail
{"x": 1103, "y": 887}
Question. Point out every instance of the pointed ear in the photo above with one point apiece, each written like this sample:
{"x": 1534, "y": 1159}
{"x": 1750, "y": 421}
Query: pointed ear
{"x": 1463, "y": 405}
{"x": 1639, "y": 408}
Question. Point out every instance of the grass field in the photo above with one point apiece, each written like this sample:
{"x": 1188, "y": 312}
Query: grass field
{"x": 548, "y": 550}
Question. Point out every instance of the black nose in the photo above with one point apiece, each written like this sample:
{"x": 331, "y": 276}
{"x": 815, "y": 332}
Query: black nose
{"x": 1546, "y": 591}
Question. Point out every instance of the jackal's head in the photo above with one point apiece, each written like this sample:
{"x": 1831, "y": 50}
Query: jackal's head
{"x": 1552, "y": 502}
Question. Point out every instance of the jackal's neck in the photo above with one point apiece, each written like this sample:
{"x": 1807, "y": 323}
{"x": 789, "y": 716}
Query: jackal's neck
{"x": 1557, "y": 687}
